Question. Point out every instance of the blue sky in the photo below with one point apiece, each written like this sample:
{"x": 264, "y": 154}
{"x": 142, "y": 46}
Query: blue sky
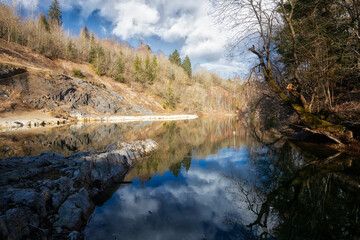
{"x": 165, "y": 25}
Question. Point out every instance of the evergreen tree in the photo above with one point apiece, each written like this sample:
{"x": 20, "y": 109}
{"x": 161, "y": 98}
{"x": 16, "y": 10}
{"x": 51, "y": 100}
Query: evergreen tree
{"x": 139, "y": 72}
{"x": 186, "y": 65}
{"x": 55, "y": 13}
{"x": 151, "y": 69}
{"x": 170, "y": 101}
{"x": 97, "y": 59}
{"x": 92, "y": 55}
{"x": 70, "y": 50}
{"x": 154, "y": 70}
{"x": 45, "y": 22}
{"x": 147, "y": 66}
{"x": 85, "y": 32}
{"x": 175, "y": 169}
{"x": 175, "y": 58}
{"x": 187, "y": 163}
{"x": 120, "y": 70}
{"x": 148, "y": 70}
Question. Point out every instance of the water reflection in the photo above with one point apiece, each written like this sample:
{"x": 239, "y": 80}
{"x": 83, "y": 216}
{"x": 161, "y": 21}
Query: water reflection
{"x": 71, "y": 138}
{"x": 207, "y": 183}
{"x": 213, "y": 179}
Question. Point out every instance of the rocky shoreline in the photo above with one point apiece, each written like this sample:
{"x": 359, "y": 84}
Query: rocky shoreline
{"x": 6, "y": 125}
{"x": 52, "y": 197}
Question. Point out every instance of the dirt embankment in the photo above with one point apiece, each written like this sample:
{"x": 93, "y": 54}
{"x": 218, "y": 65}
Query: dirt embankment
{"x": 35, "y": 90}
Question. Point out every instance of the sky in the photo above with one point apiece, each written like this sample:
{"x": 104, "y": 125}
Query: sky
{"x": 165, "y": 25}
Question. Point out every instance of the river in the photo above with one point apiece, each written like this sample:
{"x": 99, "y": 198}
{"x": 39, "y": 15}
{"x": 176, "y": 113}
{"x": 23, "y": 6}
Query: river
{"x": 212, "y": 179}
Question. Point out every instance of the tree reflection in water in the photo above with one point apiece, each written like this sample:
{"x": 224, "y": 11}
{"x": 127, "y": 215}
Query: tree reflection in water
{"x": 296, "y": 195}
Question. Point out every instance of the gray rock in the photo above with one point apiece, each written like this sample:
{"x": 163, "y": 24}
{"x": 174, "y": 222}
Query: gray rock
{"x": 18, "y": 223}
{"x": 69, "y": 216}
{"x": 31, "y": 199}
{"x": 57, "y": 199}
{"x": 76, "y": 209}
{"x": 66, "y": 202}
{"x": 64, "y": 184}
{"x": 73, "y": 95}
{"x": 74, "y": 235}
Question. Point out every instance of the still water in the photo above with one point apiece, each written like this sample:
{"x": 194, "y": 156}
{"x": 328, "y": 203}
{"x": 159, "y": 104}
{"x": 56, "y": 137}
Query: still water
{"x": 213, "y": 179}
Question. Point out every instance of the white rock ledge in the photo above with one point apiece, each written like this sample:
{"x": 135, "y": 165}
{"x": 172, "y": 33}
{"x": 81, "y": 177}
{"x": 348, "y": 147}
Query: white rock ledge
{"x": 145, "y": 118}
{"x": 26, "y": 124}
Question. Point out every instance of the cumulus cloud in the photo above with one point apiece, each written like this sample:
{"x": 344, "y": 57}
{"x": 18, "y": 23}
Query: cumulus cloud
{"x": 135, "y": 18}
{"x": 185, "y": 22}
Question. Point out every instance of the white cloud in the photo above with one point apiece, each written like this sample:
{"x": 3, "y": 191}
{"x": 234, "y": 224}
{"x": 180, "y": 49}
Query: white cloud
{"x": 184, "y": 22}
{"x": 135, "y": 18}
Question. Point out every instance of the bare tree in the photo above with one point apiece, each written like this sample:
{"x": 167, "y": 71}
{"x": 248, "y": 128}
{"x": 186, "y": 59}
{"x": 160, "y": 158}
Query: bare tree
{"x": 256, "y": 21}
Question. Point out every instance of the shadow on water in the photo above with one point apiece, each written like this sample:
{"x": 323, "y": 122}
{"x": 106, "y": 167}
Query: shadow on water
{"x": 300, "y": 193}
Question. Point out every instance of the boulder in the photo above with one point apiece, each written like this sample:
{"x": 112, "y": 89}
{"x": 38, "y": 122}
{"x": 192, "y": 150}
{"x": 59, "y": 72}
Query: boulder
{"x": 60, "y": 206}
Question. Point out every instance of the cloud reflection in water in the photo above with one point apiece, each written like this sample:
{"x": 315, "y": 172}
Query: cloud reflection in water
{"x": 190, "y": 206}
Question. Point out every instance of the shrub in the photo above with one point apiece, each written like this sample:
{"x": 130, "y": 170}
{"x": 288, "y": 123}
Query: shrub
{"x": 77, "y": 73}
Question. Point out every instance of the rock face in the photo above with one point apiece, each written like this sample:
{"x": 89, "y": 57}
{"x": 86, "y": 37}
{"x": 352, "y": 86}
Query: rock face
{"x": 59, "y": 93}
{"x": 51, "y": 196}
{"x": 8, "y": 70}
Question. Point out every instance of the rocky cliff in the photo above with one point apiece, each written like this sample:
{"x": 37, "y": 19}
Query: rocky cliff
{"x": 62, "y": 95}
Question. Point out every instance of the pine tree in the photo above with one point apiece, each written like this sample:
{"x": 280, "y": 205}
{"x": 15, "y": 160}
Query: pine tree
{"x": 120, "y": 70}
{"x": 45, "y": 22}
{"x": 175, "y": 58}
{"x": 148, "y": 70}
{"x": 55, "y": 13}
{"x": 186, "y": 65}
{"x": 85, "y": 33}
{"x": 139, "y": 72}
{"x": 170, "y": 101}
{"x": 70, "y": 50}
{"x": 151, "y": 69}
{"x": 97, "y": 59}
{"x": 154, "y": 70}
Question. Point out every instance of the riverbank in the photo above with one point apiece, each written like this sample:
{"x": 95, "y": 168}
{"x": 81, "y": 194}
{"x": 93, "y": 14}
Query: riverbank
{"x": 51, "y": 196}
{"x": 23, "y": 120}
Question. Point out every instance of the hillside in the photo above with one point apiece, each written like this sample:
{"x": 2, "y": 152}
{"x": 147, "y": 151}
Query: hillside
{"x": 45, "y": 68}
{"x": 39, "y": 83}
{"x": 30, "y": 82}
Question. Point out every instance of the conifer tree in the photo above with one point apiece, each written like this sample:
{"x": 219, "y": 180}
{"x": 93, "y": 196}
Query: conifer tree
{"x": 85, "y": 32}
{"x": 175, "y": 58}
{"x": 139, "y": 72}
{"x": 148, "y": 71}
{"x": 120, "y": 70}
{"x": 151, "y": 69}
{"x": 45, "y": 22}
{"x": 186, "y": 65}
{"x": 154, "y": 70}
{"x": 55, "y": 13}
{"x": 97, "y": 58}
{"x": 170, "y": 101}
